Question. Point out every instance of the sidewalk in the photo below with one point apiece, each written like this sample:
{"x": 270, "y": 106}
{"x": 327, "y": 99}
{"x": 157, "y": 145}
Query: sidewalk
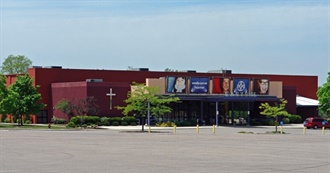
{"x": 139, "y": 127}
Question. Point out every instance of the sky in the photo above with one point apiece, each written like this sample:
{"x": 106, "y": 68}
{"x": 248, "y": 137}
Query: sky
{"x": 245, "y": 36}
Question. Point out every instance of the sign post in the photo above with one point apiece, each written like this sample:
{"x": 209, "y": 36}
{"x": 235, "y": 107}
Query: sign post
{"x": 281, "y": 123}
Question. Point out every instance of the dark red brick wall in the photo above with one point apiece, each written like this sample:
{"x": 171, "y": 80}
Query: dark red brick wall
{"x": 44, "y": 77}
{"x": 289, "y": 93}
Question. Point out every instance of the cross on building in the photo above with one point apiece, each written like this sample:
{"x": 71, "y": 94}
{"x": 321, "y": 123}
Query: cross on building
{"x": 111, "y": 94}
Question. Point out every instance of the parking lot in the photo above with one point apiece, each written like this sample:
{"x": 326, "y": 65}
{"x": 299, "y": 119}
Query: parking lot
{"x": 126, "y": 149}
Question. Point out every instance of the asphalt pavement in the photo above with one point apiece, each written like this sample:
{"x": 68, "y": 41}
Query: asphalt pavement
{"x": 165, "y": 150}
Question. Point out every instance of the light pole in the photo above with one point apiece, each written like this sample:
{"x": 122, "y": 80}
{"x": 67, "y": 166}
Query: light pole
{"x": 19, "y": 111}
{"x": 148, "y": 113}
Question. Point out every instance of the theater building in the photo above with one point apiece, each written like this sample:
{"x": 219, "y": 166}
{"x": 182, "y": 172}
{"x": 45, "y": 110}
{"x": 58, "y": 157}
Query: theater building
{"x": 215, "y": 97}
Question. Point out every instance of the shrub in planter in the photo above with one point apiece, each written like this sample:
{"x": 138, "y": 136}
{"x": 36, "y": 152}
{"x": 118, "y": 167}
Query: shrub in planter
{"x": 71, "y": 125}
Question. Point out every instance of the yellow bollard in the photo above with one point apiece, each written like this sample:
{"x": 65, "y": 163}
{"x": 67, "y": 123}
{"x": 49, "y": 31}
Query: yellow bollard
{"x": 323, "y": 132}
{"x": 149, "y": 129}
{"x": 213, "y": 129}
{"x": 304, "y": 130}
{"x": 174, "y": 129}
{"x": 197, "y": 129}
{"x": 281, "y": 129}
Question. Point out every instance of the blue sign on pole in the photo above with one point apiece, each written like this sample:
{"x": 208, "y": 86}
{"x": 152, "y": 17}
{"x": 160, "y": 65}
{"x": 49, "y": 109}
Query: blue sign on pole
{"x": 281, "y": 122}
{"x": 323, "y": 123}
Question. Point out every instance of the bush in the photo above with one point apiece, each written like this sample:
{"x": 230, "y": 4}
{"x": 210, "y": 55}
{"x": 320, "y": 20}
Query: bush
{"x": 133, "y": 123}
{"x": 115, "y": 119}
{"x": 7, "y": 120}
{"x": 3, "y": 117}
{"x": 186, "y": 123}
{"x": 129, "y": 119}
{"x": 71, "y": 125}
{"x": 75, "y": 120}
{"x": 254, "y": 122}
{"x": 84, "y": 126}
{"x": 58, "y": 120}
{"x": 115, "y": 123}
{"x": 91, "y": 119}
{"x": 27, "y": 122}
{"x": 286, "y": 121}
{"x": 106, "y": 123}
{"x": 166, "y": 124}
{"x": 295, "y": 118}
{"x": 267, "y": 122}
{"x": 124, "y": 123}
{"x": 271, "y": 122}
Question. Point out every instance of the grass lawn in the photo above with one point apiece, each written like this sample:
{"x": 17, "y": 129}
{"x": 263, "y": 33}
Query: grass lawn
{"x": 31, "y": 126}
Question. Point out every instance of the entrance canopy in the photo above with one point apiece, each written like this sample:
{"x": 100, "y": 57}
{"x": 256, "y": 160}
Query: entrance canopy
{"x": 224, "y": 98}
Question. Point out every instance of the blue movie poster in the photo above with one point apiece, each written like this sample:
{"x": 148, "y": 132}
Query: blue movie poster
{"x": 199, "y": 85}
{"x": 241, "y": 86}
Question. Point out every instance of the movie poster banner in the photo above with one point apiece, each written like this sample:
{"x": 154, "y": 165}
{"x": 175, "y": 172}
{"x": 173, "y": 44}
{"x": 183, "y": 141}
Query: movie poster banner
{"x": 241, "y": 86}
{"x": 199, "y": 85}
{"x": 261, "y": 86}
{"x": 216, "y": 85}
{"x": 221, "y": 85}
{"x": 176, "y": 85}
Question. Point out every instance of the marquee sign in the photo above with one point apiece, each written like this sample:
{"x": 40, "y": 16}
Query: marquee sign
{"x": 221, "y": 85}
{"x": 199, "y": 85}
{"x": 261, "y": 86}
{"x": 176, "y": 85}
{"x": 241, "y": 86}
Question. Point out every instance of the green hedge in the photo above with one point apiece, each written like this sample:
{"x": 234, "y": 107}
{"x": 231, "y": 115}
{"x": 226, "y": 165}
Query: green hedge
{"x": 295, "y": 118}
{"x": 116, "y": 121}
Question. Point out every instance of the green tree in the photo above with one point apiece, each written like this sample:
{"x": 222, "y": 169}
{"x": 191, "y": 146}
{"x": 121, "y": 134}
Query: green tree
{"x": 138, "y": 99}
{"x": 66, "y": 107}
{"x": 323, "y": 94}
{"x": 80, "y": 107}
{"x": 87, "y": 106}
{"x": 23, "y": 99}
{"x": 15, "y": 64}
{"x": 274, "y": 111}
{"x": 3, "y": 94}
